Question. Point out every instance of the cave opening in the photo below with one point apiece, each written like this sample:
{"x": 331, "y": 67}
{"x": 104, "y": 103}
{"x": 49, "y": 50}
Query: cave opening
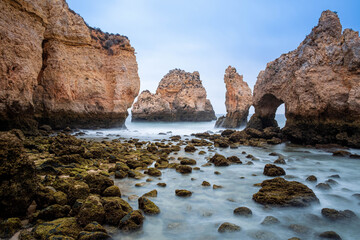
{"x": 269, "y": 109}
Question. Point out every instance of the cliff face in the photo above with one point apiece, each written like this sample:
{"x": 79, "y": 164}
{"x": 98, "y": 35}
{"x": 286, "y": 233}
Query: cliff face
{"x": 238, "y": 100}
{"x": 56, "y": 70}
{"x": 180, "y": 96}
{"x": 319, "y": 83}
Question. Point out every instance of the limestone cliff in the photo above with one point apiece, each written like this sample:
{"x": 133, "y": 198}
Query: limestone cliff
{"x": 238, "y": 100}
{"x": 54, "y": 69}
{"x": 319, "y": 83}
{"x": 180, "y": 96}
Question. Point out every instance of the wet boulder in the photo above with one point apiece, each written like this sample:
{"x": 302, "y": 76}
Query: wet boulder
{"x": 184, "y": 169}
{"x": 148, "y": 206}
{"x": 243, "y": 211}
{"x": 272, "y": 170}
{"x": 228, "y": 227}
{"x": 335, "y": 215}
{"x": 282, "y": 193}
{"x": 153, "y": 172}
{"x": 219, "y": 160}
{"x": 66, "y": 227}
{"x": 133, "y": 221}
{"x": 234, "y": 159}
{"x": 190, "y": 148}
{"x": 187, "y": 161}
{"x": 91, "y": 210}
{"x": 330, "y": 235}
{"x": 311, "y": 178}
{"x": 182, "y": 193}
{"x": 112, "y": 191}
{"x": 98, "y": 183}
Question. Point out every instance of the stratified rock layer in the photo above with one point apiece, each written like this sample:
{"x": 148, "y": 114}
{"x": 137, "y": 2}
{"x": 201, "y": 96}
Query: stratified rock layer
{"x": 238, "y": 100}
{"x": 180, "y": 96}
{"x": 54, "y": 69}
{"x": 319, "y": 83}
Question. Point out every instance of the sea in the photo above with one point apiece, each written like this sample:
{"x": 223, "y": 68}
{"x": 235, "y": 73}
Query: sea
{"x": 199, "y": 216}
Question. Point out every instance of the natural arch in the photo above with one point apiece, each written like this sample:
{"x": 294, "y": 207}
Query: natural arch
{"x": 265, "y": 111}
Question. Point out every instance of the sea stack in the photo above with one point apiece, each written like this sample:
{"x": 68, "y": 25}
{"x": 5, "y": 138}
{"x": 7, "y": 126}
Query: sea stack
{"x": 319, "y": 82}
{"x": 180, "y": 96}
{"x": 238, "y": 100}
{"x": 56, "y": 70}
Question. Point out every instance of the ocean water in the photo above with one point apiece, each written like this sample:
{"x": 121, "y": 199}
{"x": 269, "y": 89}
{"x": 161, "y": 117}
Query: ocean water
{"x": 151, "y": 130}
{"x": 199, "y": 216}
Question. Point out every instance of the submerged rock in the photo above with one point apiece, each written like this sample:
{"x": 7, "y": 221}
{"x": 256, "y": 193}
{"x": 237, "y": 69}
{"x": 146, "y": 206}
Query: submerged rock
{"x": 243, "y": 211}
{"x": 180, "y": 96}
{"x": 335, "y": 215}
{"x": 330, "y": 235}
{"x": 228, "y": 227}
{"x": 282, "y": 193}
{"x": 238, "y": 100}
{"x": 270, "y": 220}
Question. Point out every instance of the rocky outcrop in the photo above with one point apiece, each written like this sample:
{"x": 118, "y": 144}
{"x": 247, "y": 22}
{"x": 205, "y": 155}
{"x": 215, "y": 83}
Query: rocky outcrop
{"x": 54, "y": 69}
{"x": 238, "y": 100}
{"x": 319, "y": 83}
{"x": 180, "y": 96}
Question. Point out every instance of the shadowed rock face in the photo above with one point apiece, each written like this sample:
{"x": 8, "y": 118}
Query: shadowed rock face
{"x": 319, "y": 83}
{"x": 180, "y": 96}
{"x": 56, "y": 70}
{"x": 238, "y": 100}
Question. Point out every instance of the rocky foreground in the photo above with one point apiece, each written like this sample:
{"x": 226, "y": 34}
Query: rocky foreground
{"x": 61, "y": 187}
{"x": 180, "y": 96}
{"x": 56, "y": 70}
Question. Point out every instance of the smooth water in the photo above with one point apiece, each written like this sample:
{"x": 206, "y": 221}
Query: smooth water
{"x": 199, "y": 216}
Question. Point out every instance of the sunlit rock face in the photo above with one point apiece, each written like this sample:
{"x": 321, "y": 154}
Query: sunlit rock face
{"x": 180, "y": 96}
{"x": 319, "y": 82}
{"x": 238, "y": 100}
{"x": 55, "y": 69}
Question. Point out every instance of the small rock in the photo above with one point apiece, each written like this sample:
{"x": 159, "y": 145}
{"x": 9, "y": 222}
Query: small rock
{"x": 323, "y": 186}
{"x": 142, "y": 184}
{"x": 330, "y": 235}
{"x": 280, "y": 160}
{"x": 161, "y": 184}
{"x": 190, "y": 148}
{"x": 183, "y": 169}
{"x": 341, "y": 153}
{"x": 335, "y": 215}
{"x": 152, "y": 193}
{"x": 153, "y": 172}
{"x": 205, "y": 184}
{"x": 311, "y": 178}
{"x": 243, "y": 211}
{"x": 270, "y": 220}
{"x": 188, "y": 161}
{"x": 183, "y": 193}
{"x": 132, "y": 221}
{"x": 234, "y": 159}
{"x": 228, "y": 227}
{"x": 217, "y": 173}
{"x": 113, "y": 191}
{"x": 299, "y": 229}
{"x": 273, "y": 170}
{"x": 219, "y": 160}
{"x": 217, "y": 186}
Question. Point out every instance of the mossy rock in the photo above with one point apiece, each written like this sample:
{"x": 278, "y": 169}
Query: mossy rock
{"x": 152, "y": 193}
{"x": 60, "y": 198}
{"x": 273, "y": 170}
{"x": 183, "y": 193}
{"x": 44, "y": 197}
{"x": 184, "y": 169}
{"x": 53, "y": 212}
{"x": 62, "y": 226}
{"x": 282, "y": 193}
{"x": 133, "y": 221}
{"x": 115, "y": 209}
{"x": 219, "y": 160}
{"x": 91, "y": 210}
{"x": 112, "y": 191}
{"x": 60, "y": 237}
{"x": 94, "y": 227}
{"x": 148, "y": 206}
{"x": 78, "y": 190}
{"x": 93, "y": 236}
{"x": 9, "y": 227}
{"x": 153, "y": 172}
{"x": 120, "y": 174}
{"x": 98, "y": 183}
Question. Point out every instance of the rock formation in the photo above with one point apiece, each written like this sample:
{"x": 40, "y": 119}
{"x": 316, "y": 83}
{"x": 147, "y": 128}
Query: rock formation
{"x": 238, "y": 100}
{"x": 54, "y": 69}
{"x": 319, "y": 83}
{"x": 180, "y": 96}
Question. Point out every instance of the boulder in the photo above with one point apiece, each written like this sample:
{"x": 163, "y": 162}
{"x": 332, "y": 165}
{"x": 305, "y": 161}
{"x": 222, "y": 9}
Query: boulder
{"x": 243, "y": 211}
{"x": 112, "y": 191}
{"x": 115, "y": 209}
{"x": 273, "y": 170}
{"x": 183, "y": 193}
{"x": 67, "y": 227}
{"x": 335, "y": 215}
{"x": 219, "y": 160}
{"x": 281, "y": 193}
{"x": 91, "y": 210}
{"x": 9, "y": 227}
{"x": 184, "y": 169}
{"x": 98, "y": 183}
{"x": 133, "y": 221}
{"x": 227, "y": 227}
{"x": 148, "y": 206}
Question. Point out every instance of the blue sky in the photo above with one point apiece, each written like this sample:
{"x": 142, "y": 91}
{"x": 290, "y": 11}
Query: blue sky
{"x": 209, "y": 35}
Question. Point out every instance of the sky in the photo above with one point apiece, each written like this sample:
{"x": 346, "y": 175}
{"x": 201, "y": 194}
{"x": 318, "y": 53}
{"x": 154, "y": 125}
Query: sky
{"x": 209, "y": 35}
